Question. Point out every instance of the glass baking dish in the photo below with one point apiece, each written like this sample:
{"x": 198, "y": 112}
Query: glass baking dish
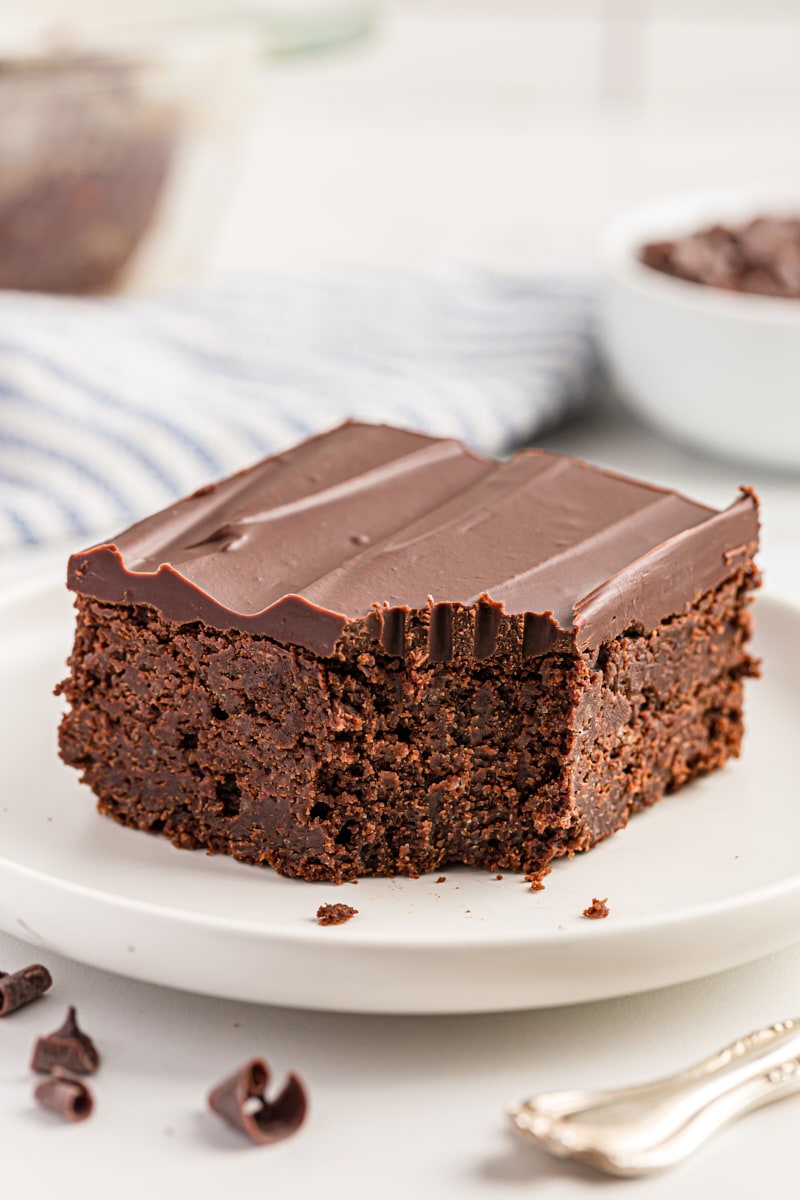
{"x": 115, "y": 154}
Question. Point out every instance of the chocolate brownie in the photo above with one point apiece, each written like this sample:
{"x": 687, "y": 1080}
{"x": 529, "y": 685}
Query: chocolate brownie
{"x": 379, "y": 653}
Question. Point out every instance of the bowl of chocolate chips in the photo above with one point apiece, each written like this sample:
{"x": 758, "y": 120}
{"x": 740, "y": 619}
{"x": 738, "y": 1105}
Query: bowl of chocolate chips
{"x": 701, "y": 320}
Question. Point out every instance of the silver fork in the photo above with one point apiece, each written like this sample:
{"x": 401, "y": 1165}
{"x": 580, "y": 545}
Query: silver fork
{"x": 641, "y": 1130}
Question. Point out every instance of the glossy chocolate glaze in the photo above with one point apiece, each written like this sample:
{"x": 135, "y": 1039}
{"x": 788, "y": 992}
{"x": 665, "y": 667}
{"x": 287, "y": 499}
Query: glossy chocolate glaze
{"x": 409, "y": 537}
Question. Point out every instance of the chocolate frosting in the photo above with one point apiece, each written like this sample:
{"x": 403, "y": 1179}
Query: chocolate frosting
{"x": 383, "y": 528}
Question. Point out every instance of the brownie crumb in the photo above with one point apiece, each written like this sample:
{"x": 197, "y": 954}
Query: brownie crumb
{"x": 597, "y": 909}
{"x": 335, "y": 914}
{"x": 535, "y": 879}
{"x": 442, "y": 879}
{"x": 241, "y": 1101}
{"x": 498, "y": 876}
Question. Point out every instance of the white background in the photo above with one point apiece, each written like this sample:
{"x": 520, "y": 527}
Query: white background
{"x": 511, "y": 131}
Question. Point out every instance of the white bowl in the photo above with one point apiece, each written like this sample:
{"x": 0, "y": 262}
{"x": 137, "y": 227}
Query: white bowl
{"x": 719, "y": 369}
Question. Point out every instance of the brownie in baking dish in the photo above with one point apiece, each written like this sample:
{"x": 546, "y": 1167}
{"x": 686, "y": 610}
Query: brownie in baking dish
{"x": 378, "y": 653}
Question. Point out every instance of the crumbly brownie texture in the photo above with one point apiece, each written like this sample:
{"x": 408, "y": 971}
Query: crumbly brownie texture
{"x": 374, "y": 765}
{"x": 761, "y": 256}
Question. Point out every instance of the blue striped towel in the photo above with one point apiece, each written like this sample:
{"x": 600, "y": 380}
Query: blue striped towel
{"x": 112, "y": 408}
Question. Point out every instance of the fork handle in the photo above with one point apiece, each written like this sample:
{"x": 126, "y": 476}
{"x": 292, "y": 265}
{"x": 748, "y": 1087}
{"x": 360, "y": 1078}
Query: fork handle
{"x": 640, "y": 1130}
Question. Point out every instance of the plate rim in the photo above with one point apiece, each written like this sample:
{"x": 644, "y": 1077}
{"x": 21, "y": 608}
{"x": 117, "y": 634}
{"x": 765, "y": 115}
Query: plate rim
{"x": 763, "y": 896}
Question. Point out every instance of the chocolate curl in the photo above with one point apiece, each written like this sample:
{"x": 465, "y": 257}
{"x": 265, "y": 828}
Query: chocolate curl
{"x": 240, "y": 1101}
{"x": 23, "y": 986}
{"x": 68, "y": 1098}
{"x": 69, "y": 1048}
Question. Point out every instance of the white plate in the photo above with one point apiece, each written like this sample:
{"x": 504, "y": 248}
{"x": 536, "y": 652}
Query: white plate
{"x": 708, "y": 879}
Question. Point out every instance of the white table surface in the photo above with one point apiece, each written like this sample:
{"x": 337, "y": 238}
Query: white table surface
{"x": 408, "y": 1106}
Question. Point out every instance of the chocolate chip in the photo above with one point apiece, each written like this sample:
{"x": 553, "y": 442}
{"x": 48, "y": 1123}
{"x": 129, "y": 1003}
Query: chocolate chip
{"x": 240, "y": 1100}
{"x": 335, "y": 914}
{"x": 65, "y": 1096}
{"x": 21, "y": 987}
{"x": 69, "y": 1048}
{"x": 761, "y": 256}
